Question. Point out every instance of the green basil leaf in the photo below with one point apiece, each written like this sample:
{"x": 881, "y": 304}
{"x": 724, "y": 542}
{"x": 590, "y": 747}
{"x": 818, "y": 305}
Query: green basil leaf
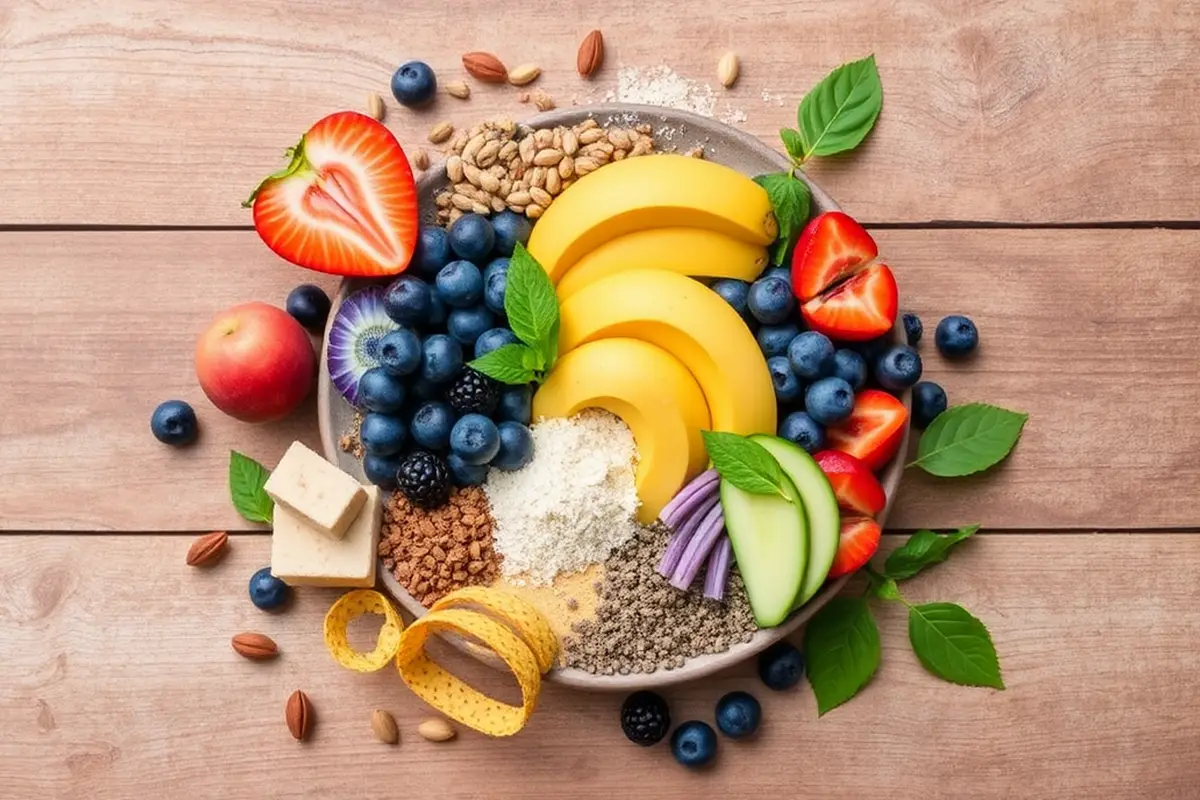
{"x": 967, "y": 439}
{"x": 923, "y": 549}
{"x": 953, "y": 645}
{"x": 791, "y": 200}
{"x": 792, "y": 143}
{"x": 507, "y": 364}
{"x": 841, "y": 645}
{"x": 745, "y": 464}
{"x": 529, "y": 300}
{"x": 840, "y": 110}
{"x": 247, "y": 478}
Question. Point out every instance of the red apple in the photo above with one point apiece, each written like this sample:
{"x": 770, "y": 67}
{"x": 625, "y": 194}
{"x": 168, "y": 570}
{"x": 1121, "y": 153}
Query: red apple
{"x": 255, "y": 362}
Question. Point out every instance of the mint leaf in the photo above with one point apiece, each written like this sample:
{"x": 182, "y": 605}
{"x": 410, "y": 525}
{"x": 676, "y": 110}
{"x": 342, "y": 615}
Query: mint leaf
{"x": 968, "y": 439}
{"x": 953, "y": 645}
{"x": 923, "y": 549}
{"x": 840, "y": 110}
{"x": 791, "y": 199}
{"x": 507, "y": 364}
{"x": 529, "y": 300}
{"x": 792, "y": 143}
{"x": 887, "y": 590}
{"x": 246, "y": 480}
{"x": 745, "y": 464}
{"x": 841, "y": 644}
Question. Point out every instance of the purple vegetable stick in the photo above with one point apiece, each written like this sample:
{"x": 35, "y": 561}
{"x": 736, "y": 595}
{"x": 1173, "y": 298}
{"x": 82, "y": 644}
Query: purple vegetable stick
{"x": 682, "y": 536}
{"x": 698, "y": 548}
{"x": 699, "y": 498}
{"x": 699, "y": 485}
{"x": 719, "y": 562}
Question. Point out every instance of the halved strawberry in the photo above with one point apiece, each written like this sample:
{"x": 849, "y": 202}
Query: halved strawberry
{"x": 857, "y": 542}
{"x": 874, "y": 429}
{"x": 856, "y": 487}
{"x": 346, "y": 204}
{"x": 831, "y": 247}
{"x": 860, "y": 308}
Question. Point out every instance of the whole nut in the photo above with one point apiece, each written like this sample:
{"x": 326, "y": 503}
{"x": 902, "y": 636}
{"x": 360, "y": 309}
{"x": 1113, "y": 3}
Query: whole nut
{"x": 254, "y": 646}
{"x": 454, "y": 168}
{"x": 524, "y": 74}
{"x": 421, "y": 159}
{"x": 485, "y": 67}
{"x": 436, "y": 730}
{"x": 383, "y": 725}
{"x": 591, "y": 54}
{"x": 299, "y": 714}
{"x": 458, "y": 89}
{"x": 727, "y": 69}
{"x": 441, "y": 132}
{"x": 375, "y": 106}
{"x": 208, "y": 549}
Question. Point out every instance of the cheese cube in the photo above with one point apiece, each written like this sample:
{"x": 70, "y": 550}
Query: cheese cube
{"x": 301, "y": 555}
{"x": 308, "y": 485}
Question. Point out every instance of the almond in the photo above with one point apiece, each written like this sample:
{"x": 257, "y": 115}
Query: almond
{"x": 524, "y": 74}
{"x": 436, "y": 730}
{"x": 458, "y": 89}
{"x": 298, "y": 714}
{"x": 254, "y": 646}
{"x": 383, "y": 725}
{"x": 485, "y": 67}
{"x": 591, "y": 54}
{"x": 208, "y": 549}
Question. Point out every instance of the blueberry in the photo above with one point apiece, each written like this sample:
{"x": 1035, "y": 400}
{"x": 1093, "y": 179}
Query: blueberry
{"x": 441, "y": 358}
{"x": 431, "y": 425}
{"x": 497, "y": 266}
{"x": 466, "y": 474}
{"x": 734, "y": 292}
{"x": 773, "y": 340}
{"x": 475, "y": 438}
{"x": 266, "y": 591}
{"x": 778, "y": 272}
{"x": 928, "y": 401}
{"x": 381, "y": 470}
{"x": 433, "y": 251}
{"x": 956, "y": 336}
{"x": 829, "y": 401}
{"x": 425, "y": 390}
{"x": 382, "y": 434}
{"x": 309, "y": 305}
{"x": 174, "y": 423}
{"x": 435, "y": 321}
{"x": 811, "y": 355}
{"x": 407, "y": 300}
{"x": 400, "y": 352}
{"x": 898, "y": 368}
{"x": 495, "y": 284}
{"x": 738, "y": 715}
{"x": 770, "y": 300}
{"x": 801, "y": 430}
{"x": 850, "y": 367}
{"x": 468, "y": 324}
{"x": 781, "y": 666}
{"x": 494, "y": 339}
{"x": 510, "y": 228}
{"x": 787, "y": 386}
{"x": 872, "y": 349}
{"x": 413, "y": 84}
{"x": 472, "y": 238}
{"x": 460, "y": 284}
{"x": 379, "y": 391}
{"x": 516, "y": 404}
{"x": 694, "y": 744}
{"x": 516, "y": 446}
{"x": 913, "y": 328}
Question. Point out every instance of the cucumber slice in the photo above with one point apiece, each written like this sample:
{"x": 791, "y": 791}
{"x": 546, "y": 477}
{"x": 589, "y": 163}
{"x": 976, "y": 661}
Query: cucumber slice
{"x": 770, "y": 542}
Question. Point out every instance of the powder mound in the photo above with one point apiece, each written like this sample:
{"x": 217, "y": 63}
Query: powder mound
{"x": 573, "y": 504}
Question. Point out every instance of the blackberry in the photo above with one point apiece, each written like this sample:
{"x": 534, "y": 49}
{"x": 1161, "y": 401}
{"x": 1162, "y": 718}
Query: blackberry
{"x": 913, "y": 329}
{"x": 645, "y": 718}
{"x": 425, "y": 479}
{"x": 473, "y": 393}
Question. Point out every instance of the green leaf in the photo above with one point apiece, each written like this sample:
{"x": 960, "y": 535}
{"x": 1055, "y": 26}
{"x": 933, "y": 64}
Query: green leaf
{"x": 888, "y": 590}
{"x": 529, "y": 300}
{"x": 923, "y": 549}
{"x": 745, "y": 464}
{"x": 246, "y": 480}
{"x": 508, "y": 364}
{"x": 792, "y": 143}
{"x": 968, "y": 439}
{"x": 791, "y": 199}
{"x": 953, "y": 645}
{"x": 841, "y": 644}
{"x": 840, "y": 110}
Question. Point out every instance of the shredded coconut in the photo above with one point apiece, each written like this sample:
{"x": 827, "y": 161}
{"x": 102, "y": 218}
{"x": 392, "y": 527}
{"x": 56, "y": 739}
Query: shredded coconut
{"x": 572, "y": 505}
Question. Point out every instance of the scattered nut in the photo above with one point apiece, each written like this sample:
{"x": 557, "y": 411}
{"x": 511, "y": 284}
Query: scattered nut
{"x": 254, "y": 646}
{"x": 421, "y": 159}
{"x": 485, "y": 67}
{"x": 524, "y": 74}
{"x": 591, "y": 54}
{"x": 298, "y": 714}
{"x": 458, "y": 89}
{"x": 543, "y": 101}
{"x": 441, "y": 132}
{"x": 727, "y": 69}
{"x": 383, "y": 725}
{"x": 208, "y": 549}
{"x": 436, "y": 729}
{"x": 375, "y": 106}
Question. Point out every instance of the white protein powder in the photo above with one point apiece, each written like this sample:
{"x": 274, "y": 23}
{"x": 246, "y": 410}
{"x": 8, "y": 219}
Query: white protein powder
{"x": 570, "y": 506}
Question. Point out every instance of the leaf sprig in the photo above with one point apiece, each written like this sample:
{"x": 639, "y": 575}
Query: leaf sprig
{"x": 531, "y": 306}
{"x": 247, "y": 478}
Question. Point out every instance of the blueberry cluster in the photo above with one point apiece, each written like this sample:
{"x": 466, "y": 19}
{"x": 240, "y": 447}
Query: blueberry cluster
{"x": 431, "y": 420}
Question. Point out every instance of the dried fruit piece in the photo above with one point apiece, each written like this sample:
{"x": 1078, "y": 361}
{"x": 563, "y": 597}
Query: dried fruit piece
{"x": 727, "y": 69}
{"x": 485, "y": 67}
{"x": 524, "y": 74}
{"x": 591, "y": 54}
{"x": 383, "y": 725}
{"x": 298, "y": 714}
{"x": 208, "y": 549}
{"x": 458, "y": 89}
{"x": 436, "y": 729}
{"x": 254, "y": 646}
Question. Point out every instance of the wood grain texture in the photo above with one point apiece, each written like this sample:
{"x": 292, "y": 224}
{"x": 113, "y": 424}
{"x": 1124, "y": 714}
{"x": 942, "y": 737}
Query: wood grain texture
{"x": 119, "y": 677}
{"x": 1088, "y": 331}
{"x": 167, "y": 112}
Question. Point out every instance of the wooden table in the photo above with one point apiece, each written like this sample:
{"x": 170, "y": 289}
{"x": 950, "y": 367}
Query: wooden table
{"x": 1035, "y": 166}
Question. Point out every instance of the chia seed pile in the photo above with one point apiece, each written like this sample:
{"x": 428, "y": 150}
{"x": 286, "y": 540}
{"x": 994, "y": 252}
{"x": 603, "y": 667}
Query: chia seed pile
{"x": 643, "y": 624}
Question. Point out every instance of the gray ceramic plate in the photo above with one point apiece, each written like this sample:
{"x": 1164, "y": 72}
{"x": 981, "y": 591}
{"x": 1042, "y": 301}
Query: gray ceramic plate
{"x": 683, "y": 131}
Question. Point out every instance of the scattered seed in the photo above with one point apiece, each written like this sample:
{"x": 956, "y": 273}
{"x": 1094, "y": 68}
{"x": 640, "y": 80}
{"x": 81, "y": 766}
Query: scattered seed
{"x": 441, "y": 132}
{"x": 375, "y": 106}
{"x": 458, "y": 89}
{"x": 421, "y": 159}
